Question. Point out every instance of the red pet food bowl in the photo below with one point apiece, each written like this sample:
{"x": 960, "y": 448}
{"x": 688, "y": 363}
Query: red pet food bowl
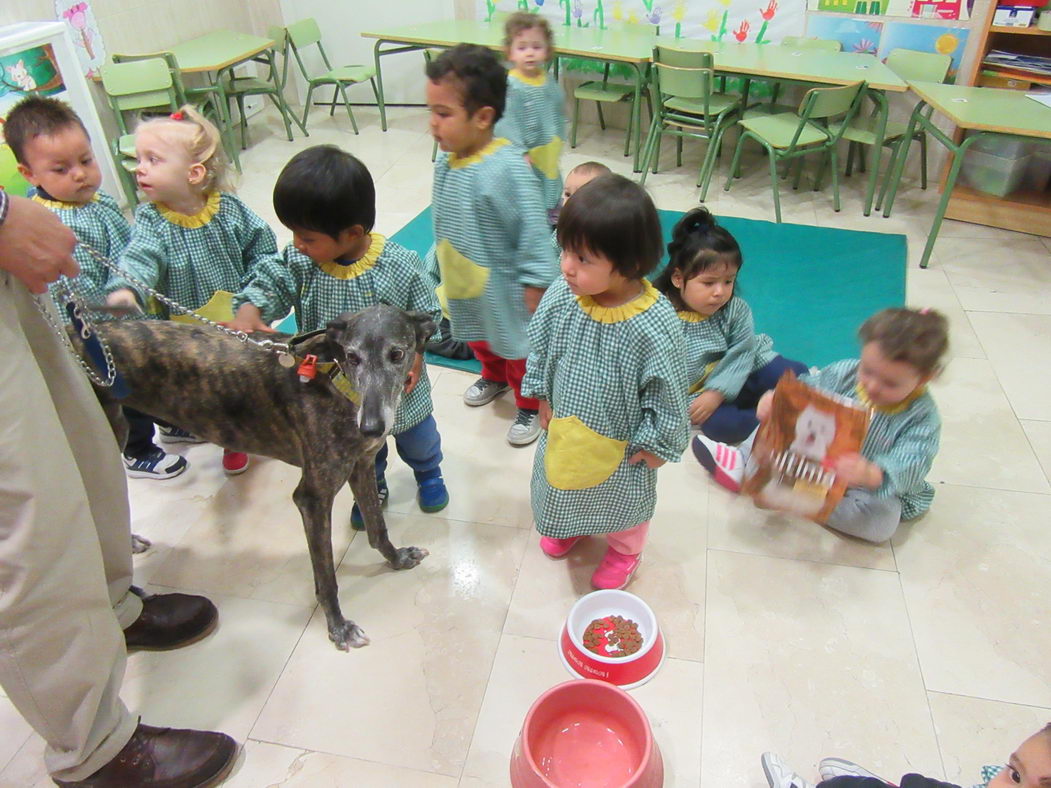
{"x": 586, "y": 734}
{"x": 627, "y": 672}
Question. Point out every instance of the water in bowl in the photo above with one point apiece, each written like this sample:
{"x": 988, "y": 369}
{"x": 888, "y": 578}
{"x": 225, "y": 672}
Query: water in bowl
{"x": 582, "y": 749}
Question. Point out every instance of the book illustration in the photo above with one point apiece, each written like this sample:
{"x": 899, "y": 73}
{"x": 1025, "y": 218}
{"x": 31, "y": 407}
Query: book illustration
{"x": 791, "y": 467}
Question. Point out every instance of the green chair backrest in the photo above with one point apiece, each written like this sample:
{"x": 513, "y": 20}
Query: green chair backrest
{"x": 919, "y": 66}
{"x": 279, "y": 36}
{"x": 681, "y": 74}
{"x": 824, "y": 103}
{"x": 824, "y": 44}
{"x": 173, "y": 68}
{"x": 138, "y": 85}
{"x": 304, "y": 32}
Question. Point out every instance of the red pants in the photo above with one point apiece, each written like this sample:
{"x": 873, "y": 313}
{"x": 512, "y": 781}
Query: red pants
{"x": 504, "y": 370}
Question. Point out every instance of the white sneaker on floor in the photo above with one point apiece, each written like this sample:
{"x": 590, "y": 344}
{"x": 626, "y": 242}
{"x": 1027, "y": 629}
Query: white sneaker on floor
{"x": 779, "y": 775}
{"x": 157, "y": 464}
{"x": 837, "y": 767}
{"x": 722, "y": 461}
{"x": 525, "y": 429}
{"x": 482, "y": 392}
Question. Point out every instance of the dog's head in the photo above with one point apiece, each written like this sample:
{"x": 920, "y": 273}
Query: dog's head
{"x": 376, "y": 348}
{"x": 815, "y": 430}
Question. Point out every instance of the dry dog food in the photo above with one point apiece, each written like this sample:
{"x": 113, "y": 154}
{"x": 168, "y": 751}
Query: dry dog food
{"x": 612, "y": 636}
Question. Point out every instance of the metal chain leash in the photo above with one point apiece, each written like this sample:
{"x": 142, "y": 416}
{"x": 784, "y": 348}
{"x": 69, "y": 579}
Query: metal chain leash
{"x": 86, "y": 331}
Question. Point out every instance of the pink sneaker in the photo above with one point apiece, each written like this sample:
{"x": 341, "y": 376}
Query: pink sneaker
{"x": 234, "y": 462}
{"x": 616, "y": 570}
{"x": 556, "y": 548}
{"x": 722, "y": 461}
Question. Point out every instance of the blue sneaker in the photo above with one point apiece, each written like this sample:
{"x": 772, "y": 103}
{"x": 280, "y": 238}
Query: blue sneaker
{"x": 357, "y": 522}
{"x": 158, "y": 464}
{"x": 433, "y": 496}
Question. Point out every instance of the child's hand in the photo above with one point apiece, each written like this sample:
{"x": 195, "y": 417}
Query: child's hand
{"x": 532, "y": 296}
{"x": 124, "y": 298}
{"x": 765, "y": 404}
{"x": 545, "y": 414}
{"x": 414, "y": 374}
{"x": 703, "y": 405}
{"x": 248, "y": 319}
{"x": 651, "y": 460}
{"x": 856, "y": 471}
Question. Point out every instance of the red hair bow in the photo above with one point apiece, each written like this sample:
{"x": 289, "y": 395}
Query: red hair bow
{"x": 177, "y": 116}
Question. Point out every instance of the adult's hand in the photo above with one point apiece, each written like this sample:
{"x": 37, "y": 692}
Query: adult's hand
{"x": 35, "y": 246}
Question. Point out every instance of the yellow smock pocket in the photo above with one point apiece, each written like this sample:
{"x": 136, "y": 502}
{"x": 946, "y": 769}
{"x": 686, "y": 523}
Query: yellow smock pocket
{"x": 577, "y": 457}
{"x": 462, "y": 278}
{"x": 545, "y": 157}
{"x": 220, "y": 308}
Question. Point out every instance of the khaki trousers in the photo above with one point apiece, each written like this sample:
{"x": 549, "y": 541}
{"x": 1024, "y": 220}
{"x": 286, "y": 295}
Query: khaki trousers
{"x": 65, "y": 547}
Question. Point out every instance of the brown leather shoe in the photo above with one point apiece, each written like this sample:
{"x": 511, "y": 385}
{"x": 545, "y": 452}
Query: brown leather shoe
{"x": 166, "y": 757}
{"x": 170, "y": 621}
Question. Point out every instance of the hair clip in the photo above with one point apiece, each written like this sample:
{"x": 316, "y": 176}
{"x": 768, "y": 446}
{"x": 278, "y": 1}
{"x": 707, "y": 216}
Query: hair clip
{"x": 177, "y": 116}
{"x": 925, "y": 310}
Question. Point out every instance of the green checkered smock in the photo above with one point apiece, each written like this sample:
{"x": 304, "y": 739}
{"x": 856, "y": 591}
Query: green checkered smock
{"x": 491, "y": 240}
{"x": 616, "y": 382}
{"x": 191, "y": 258}
{"x": 723, "y": 350}
{"x": 902, "y": 440}
{"x": 387, "y": 274}
{"x": 534, "y": 119}
{"x": 100, "y": 224}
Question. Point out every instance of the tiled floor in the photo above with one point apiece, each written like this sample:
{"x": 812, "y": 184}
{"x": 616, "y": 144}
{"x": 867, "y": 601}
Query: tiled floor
{"x": 928, "y": 654}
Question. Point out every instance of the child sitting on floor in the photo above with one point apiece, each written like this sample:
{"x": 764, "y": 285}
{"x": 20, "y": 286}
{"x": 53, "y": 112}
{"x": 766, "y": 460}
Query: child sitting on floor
{"x": 336, "y": 264}
{"x": 194, "y": 241}
{"x": 729, "y": 366}
{"x": 53, "y": 152}
{"x": 606, "y": 362}
{"x": 490, "y": 229}
{"x": 902, "y": 350}
{"x": 1028, "y": 767}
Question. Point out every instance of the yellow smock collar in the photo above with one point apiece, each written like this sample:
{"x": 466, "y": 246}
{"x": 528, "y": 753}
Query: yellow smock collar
{"x": 57, "y": 204}
{"x": 536, "y": 81}
{"x": 616, "y": 314}
{"x": 456, "y": 162}
{"x": 359, "y": 266}
{"x": 890, "y": 410}
{"x": 689, "y": 316}
{"x": 192, "y": 221}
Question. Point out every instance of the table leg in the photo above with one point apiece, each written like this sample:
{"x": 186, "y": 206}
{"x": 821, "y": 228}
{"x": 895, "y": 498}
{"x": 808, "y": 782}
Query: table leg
{"x": 903, "y": 154}
{"x": 227, "y": 132}
{"x": 950, "y": 181}
{"x": 379, "y": 85}
{"x": 279, "y": 98}
{"x": 877, "y": 149}
{"x": 636, "y": 121}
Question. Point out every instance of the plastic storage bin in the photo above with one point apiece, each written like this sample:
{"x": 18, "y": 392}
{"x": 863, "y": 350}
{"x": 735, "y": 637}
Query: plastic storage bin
{"x": 1003, "y": 146}
{"x": 1038, "y": 174}
{"x": 992, "y": 174}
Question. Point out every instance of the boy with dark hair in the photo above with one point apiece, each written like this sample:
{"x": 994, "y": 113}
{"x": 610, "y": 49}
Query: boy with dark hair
{"x": 51, "y": 147}
{"x": 490, "y": 227}
{"x": 336, "y": 264}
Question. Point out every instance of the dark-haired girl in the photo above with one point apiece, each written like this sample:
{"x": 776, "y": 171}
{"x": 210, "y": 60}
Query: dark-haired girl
{"x": 606, "y": 362}
{"x": 729, "y": 366}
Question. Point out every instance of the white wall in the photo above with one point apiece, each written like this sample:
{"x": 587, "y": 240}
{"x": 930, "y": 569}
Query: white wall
{"x": 342, "y": 22}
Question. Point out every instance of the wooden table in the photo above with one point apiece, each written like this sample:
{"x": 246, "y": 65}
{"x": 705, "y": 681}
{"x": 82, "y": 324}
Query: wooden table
{"x": 983, "y": 112}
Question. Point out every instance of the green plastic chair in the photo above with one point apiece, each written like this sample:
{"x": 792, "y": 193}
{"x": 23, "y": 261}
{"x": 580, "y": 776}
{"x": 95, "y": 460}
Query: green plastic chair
{"x": 133, "y": 88}
{"x": 877, "y": 131}
{"x": 795, "y": 42}
{"x": 208, "y": 99}
{"x": 605, "y": 92}
{"x": 686, "y": 105}
{"x": 271, "y": 86}
{"x": 306, "y": 33}
{"x": 789, "y": 136}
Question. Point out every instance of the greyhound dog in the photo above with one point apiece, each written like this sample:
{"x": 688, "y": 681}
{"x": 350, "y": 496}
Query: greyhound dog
{"x": 241, "y": 398}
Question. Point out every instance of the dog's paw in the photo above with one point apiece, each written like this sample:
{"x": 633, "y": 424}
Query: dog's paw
{"x": 348, "y": 635}
{"x": 139, "y": 544}
{"x": 408, "y": 557}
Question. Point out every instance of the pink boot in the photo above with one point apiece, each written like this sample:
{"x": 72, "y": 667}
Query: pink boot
{"x": 556, "y": 548}
{"x": 616, "y": 570}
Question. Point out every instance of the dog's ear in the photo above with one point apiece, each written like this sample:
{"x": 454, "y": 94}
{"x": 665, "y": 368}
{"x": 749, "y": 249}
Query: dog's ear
{"x": 424, "y": 326}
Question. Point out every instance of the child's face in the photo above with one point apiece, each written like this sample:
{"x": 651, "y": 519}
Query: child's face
{"x": 709, "y": 291}
{"x": 574, "y": 181}
{"x": 529, "y": 51}
{"x": 63, "y": 165}
{"x": 455, "y": 130}
{"x": 1029, "y": 766}
{"x": 323, "y": 248}
{"x": 166, "y": 173}
{"x": 887, "y": 382}
{"x": 588, "y": 273}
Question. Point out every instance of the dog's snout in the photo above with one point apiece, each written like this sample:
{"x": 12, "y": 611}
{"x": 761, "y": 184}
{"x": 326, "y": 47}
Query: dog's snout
{"x": 372, "y": 428}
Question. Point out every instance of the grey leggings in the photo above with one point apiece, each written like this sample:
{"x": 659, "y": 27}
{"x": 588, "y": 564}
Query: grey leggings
{"x": 860, "y": 513}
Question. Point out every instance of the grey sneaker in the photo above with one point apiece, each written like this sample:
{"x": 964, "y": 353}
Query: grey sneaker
{"x": 176, "y": 435}
{"x": 525, "y": 429}
{"x": 483, "y": 391}
{"x": 779, "y": 775}
{"x": 830, "y": 768}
